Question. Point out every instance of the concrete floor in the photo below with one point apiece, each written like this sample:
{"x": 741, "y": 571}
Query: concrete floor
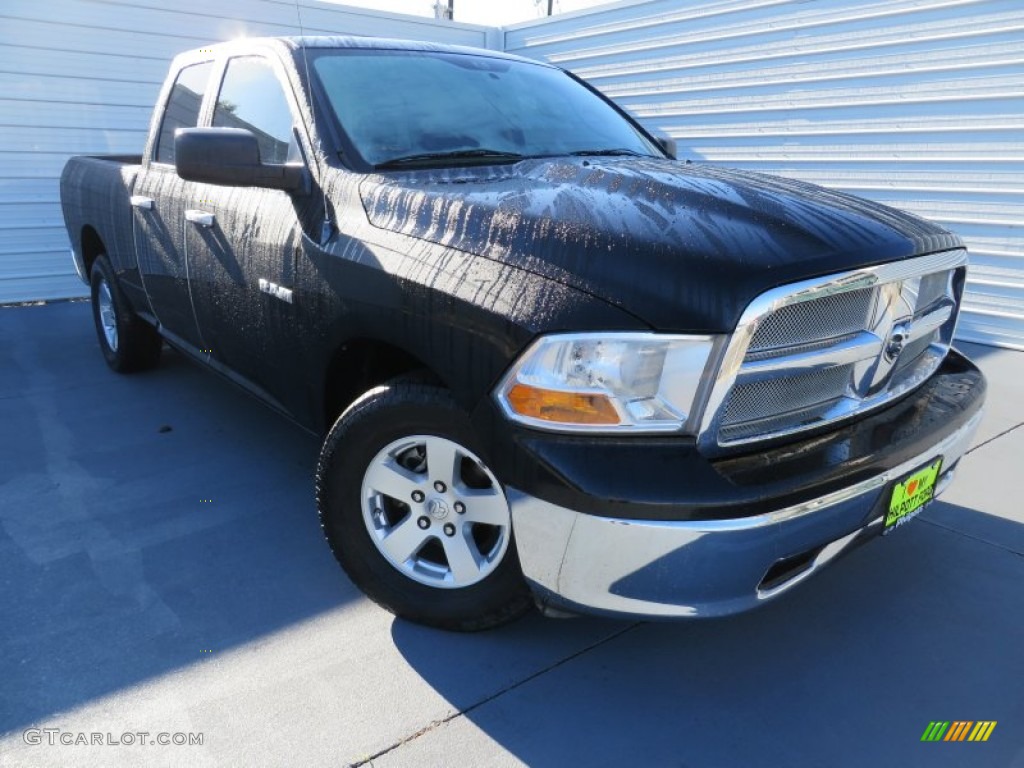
{"x": 175, "y": 580}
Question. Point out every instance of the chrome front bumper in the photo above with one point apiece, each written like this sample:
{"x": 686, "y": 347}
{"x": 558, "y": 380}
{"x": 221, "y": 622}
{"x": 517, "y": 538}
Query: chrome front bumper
{"x": 582, "y": 563}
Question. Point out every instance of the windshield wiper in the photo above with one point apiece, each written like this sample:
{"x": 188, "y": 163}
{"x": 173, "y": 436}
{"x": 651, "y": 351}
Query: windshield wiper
{"x": 610, "y": 153}
{"x": 456, "y": 154}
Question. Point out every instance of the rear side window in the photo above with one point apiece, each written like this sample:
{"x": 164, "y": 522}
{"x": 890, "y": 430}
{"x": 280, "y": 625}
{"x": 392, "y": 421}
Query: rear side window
{"x": 182, "y": 108}
{"x": 252, "y": 98}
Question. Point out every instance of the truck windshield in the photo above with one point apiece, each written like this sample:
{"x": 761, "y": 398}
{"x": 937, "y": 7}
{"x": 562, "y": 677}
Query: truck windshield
{"x": 426, "y": 108}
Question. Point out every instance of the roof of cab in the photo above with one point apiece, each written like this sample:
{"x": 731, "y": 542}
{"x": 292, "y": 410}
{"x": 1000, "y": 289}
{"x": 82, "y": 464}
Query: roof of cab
{"x": 356, "y": 42}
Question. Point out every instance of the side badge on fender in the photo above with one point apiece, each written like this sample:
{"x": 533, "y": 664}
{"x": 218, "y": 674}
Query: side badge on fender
{"x": 275, "y": 290}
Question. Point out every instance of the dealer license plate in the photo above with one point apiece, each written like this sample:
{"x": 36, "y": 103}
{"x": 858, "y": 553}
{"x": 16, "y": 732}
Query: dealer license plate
{"x": 911, "y": 494}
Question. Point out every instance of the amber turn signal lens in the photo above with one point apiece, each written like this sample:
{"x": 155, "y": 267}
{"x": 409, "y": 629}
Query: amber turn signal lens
{"x": 561, "y": 407}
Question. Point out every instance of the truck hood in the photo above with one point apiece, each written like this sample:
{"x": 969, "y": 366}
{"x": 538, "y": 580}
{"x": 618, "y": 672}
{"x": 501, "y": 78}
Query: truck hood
{"x": 682, "y": 247}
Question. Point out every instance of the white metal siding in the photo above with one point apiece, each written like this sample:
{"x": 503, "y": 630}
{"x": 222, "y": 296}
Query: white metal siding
{"x": 915, "y": 103}
{"x": 81, "y": 76}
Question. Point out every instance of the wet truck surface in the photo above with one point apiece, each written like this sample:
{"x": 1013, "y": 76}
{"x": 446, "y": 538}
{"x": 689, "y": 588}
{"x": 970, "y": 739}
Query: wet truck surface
{"x": 553, "y": 364}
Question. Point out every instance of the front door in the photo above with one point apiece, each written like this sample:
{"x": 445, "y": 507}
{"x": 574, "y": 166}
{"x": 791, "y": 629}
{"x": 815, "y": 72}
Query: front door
{"x": 243, "y": 243}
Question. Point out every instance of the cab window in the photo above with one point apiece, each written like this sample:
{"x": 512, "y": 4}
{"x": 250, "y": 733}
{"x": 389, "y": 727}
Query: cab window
{"x": 251, "y": 97}
{"x": 182, "y": 108}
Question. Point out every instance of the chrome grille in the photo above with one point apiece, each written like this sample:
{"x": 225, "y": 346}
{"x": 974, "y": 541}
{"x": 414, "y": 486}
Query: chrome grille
{"x": 824, "y": 350}
{"x": 814, "y": 321}
{"x": 913, "y": 351}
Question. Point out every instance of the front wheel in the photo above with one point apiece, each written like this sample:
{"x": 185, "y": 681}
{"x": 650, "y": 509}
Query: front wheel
{"x": 414, "y": 515}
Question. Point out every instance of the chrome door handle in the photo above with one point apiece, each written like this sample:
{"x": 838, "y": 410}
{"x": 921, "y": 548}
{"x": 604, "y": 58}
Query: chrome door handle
{"x": 142, "y": 203}
{"x": 202, "y": 218}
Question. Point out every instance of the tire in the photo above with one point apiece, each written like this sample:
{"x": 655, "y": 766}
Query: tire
{"x": 128, "y": 342}
{"x": 402, "y": 537}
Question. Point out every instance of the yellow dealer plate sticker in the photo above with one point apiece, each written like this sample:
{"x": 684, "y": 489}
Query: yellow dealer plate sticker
{"x": 911, "y": 494}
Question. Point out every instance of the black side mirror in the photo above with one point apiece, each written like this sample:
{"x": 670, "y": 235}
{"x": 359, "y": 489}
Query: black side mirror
{"x": 667, "y": 144}
{"x": 231, "y": 157}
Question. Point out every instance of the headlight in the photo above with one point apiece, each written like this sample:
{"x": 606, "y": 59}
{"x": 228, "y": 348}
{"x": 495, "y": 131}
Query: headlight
{"x": 610, "y": 382}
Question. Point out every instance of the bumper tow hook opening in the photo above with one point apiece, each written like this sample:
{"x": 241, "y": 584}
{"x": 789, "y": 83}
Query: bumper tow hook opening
{"x": 787, "y": 568}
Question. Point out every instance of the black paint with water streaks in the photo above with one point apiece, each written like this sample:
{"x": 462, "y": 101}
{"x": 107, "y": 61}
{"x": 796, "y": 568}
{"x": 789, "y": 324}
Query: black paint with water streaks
{"x": 684, "y": 247}
{"x": 460, "y": 269}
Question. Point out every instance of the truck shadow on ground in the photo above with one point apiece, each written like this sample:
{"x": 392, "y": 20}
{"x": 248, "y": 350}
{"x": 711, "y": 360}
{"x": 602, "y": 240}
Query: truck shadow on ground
{"x": 144, "y": 520}
{"x": 848, "y": 669}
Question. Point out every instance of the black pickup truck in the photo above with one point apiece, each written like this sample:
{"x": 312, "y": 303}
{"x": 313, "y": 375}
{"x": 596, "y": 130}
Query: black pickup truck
{"x": 553, "y": 363}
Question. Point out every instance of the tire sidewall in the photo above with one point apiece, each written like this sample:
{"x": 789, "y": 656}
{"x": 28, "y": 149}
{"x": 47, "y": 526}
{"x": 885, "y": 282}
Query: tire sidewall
{"x": 380, "y": 417}
{"x": 138, "y": 343}
{"x": 100, "y": 273}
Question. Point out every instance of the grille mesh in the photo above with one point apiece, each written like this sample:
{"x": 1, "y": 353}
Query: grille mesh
{"x": 778, "y": 397}
{"x": 813, "y": 321}
{"x": 771, "y": 424}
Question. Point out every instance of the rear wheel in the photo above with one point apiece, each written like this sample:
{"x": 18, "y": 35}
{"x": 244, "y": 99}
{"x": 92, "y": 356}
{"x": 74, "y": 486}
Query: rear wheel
{"x": 128, "y": 343}
{"x": 414, "y": 515}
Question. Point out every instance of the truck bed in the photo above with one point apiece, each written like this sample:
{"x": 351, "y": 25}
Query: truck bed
{"x": 95, "y": 192}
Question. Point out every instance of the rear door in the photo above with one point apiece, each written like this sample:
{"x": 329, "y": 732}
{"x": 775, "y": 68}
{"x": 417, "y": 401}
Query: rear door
{"x": 160, "y": 202}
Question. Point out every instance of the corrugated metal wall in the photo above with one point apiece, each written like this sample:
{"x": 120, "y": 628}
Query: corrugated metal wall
{"x": 916, "y": 103}
{"x": 81, "y": 76}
